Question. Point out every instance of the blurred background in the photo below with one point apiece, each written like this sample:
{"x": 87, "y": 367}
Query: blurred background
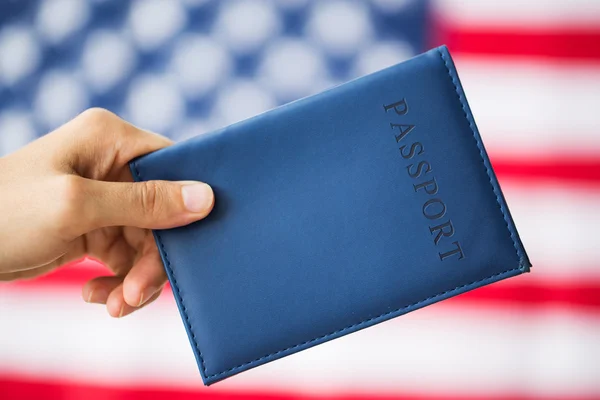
{"x": 531, "y": 71}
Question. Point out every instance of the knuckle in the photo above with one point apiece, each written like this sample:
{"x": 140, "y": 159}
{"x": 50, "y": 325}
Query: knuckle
{"x": 97, "y": 115}
{"x": 98, "y": 121}
{"x": 151, "y": 197}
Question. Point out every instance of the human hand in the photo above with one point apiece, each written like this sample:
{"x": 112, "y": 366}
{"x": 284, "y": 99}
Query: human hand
{"x": 70, "y": 194}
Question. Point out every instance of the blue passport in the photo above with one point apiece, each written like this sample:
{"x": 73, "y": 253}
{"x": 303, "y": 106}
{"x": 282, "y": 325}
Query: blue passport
{"x": 334, "y": 213}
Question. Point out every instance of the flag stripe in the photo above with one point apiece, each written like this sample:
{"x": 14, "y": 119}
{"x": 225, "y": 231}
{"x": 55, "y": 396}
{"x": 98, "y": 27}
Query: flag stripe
{"x": 562, "y": 44}
{"x": 557, "y": 224}
{"x": 470, "y": 350}
{"x": 529, "y": 293}
{"x": 565, "y": 170}
{"x": 520, "y": 14}
{"x": 530, "y": 108}
{"x": 15, "y": 387}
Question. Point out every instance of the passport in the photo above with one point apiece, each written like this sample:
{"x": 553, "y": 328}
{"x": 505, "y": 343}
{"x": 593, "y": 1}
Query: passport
{"x": 334, "y": 213}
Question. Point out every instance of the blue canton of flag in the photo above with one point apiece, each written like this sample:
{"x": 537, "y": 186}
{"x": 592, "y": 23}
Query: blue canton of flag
{"x": 183, "y": 67}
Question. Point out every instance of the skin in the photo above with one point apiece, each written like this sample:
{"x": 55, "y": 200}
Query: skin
{"x": 70, "y": 195}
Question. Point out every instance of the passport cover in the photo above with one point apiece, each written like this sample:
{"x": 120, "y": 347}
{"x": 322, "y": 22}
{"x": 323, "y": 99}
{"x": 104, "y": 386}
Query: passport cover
{"x": 334, "y": 213}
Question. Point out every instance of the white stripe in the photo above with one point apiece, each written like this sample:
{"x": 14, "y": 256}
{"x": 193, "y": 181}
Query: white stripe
{"x": 529, "y": 108}
{"x": 439, "y": 349}
{"x": 558, "y": 226}
{"x": 525, "y": 14}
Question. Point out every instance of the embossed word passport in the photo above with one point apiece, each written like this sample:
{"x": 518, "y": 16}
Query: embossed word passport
{"x": 334, "y": 213}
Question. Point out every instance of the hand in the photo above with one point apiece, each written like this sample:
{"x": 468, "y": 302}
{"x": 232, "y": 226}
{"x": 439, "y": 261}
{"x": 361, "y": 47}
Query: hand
{"x": 70, "y": 194}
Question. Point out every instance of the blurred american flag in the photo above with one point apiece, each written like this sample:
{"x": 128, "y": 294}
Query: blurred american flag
{"x": 531, "y": 71}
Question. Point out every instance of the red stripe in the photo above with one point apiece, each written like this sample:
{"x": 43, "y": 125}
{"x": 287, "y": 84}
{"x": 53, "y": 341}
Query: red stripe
{"x": 15, "y": 388}
{"x": 561, "y": 169}
{"x": 560, "y": 43}
{"x": 525, "y": 291}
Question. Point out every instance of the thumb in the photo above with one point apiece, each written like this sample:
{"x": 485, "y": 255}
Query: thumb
{"x": 149, "y": 205}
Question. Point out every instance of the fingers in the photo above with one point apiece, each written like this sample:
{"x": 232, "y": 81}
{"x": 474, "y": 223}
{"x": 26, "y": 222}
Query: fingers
{"x": 116, "y": 305}
{"x": 84, "y": 205}
{"x": 109, "y": 290}
{"x": 148, "y": 205}
{"x": 140, "y": 286}
{"x": 118, "y": 308}
{"x": 145, "y": 279}
{"x": 98, "y": 289}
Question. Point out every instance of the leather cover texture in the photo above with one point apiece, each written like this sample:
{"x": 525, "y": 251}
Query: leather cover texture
{"x": 334, "y": 213}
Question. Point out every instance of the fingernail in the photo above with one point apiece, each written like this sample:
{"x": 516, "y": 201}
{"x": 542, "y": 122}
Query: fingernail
{"x": 97, "y": 296}
{"x": 197, "y": 197}
{"x": 146, "y": 294}
{"x": 122, "y": 310}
